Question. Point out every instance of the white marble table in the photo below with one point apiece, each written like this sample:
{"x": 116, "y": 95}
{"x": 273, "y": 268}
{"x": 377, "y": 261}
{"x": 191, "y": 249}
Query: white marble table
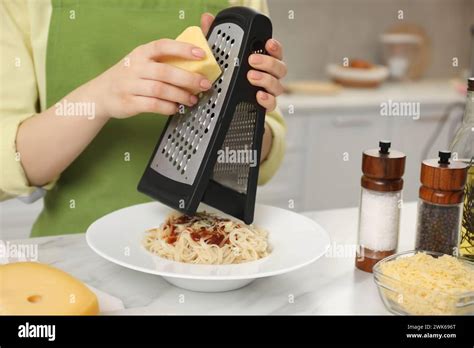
{"x": 329, "y": 286}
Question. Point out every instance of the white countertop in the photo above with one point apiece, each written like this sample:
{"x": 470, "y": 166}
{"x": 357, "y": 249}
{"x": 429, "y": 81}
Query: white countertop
{"x": 427, "y": 92}
{"x": 331, "y": 285}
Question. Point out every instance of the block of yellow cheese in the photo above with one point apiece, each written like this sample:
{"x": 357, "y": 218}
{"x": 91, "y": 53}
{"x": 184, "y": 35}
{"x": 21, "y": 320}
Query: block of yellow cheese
{"x": 31, "y": 288}
{"x": 207, "y": 66}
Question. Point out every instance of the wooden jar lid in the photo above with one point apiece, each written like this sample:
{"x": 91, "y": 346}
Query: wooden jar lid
{"x": 443, "y": 180}
{"x": 383, "y": 168}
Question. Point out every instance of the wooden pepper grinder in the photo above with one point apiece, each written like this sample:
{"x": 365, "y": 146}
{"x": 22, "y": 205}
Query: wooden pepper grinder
{"x": 440, "y": 204}
{"x": 380, "y": 203}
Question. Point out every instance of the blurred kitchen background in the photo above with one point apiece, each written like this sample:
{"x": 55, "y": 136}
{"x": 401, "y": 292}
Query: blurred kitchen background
{"x": 424, "y": 57}
{"x": 325, "y": 31}
{"x": 430, "y": 51}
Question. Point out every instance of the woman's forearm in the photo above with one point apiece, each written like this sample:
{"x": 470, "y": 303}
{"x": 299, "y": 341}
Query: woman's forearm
{"x": 266, "y": 143}
{"x": 50, "y": 141}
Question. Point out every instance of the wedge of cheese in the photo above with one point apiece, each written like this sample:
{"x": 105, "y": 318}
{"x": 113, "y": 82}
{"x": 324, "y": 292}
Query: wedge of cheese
{"x": 207, "y": 66}
{"x": 30, "y": 288}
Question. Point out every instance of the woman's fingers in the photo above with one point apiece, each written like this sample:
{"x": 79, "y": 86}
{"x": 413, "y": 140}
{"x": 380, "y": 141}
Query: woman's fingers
{"x": 174, "y": 76}
{"x": 268, "y": 64}
{"x": 161, "y": 90}
{"x": 271, "y": 84}
{"x": 141, "y": 104}
{"x": 272, "y": 69}
{"x": 274, "y": 48}
{"x": 206, "y": 22}
{"x": 171, "y": 48}
{"x": 266, "y": 100}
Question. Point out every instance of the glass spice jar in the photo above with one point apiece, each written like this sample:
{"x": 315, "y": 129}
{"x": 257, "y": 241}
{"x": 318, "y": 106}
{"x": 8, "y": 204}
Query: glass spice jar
{"x": 440, "y": 204}
{"x": 380, "y": 203}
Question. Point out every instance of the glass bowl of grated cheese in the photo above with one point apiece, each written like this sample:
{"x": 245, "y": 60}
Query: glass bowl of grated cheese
{"x": 426, "y": 283}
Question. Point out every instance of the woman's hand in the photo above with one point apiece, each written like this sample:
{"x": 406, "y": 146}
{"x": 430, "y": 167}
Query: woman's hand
{"x": 271, "y": 68}
{"x": 140, "y": 83}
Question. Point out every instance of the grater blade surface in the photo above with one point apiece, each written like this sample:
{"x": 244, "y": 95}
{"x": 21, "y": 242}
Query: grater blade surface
{"x": 187, "y": 136}
{"x": 237, "y": 154}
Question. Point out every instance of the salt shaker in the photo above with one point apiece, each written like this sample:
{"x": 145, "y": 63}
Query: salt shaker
{"x": 380, "y": 204}
{"x": 440, "y": 204}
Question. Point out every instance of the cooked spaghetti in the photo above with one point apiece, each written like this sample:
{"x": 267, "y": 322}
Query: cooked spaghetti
{"x": 206, "y": 239}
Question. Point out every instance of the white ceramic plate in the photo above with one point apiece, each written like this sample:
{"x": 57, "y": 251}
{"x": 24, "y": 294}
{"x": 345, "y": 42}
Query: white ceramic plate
{"x": 296, "y": 241}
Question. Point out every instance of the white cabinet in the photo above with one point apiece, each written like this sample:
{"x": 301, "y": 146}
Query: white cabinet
{"x": 334, "y": 156}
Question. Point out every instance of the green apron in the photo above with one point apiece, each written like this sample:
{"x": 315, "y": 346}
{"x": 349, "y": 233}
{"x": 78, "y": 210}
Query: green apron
{"x": 85, "y": 38}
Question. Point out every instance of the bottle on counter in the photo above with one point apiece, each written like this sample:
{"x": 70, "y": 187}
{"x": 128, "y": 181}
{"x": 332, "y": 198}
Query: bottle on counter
{"x": 440, "y": 204}
{"x": 380, "y": 205}
{"x": 463, "y": 150}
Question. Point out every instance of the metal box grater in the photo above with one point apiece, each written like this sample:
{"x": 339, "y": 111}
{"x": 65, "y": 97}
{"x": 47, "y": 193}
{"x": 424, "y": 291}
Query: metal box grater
{"x": 184, "y": 168}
